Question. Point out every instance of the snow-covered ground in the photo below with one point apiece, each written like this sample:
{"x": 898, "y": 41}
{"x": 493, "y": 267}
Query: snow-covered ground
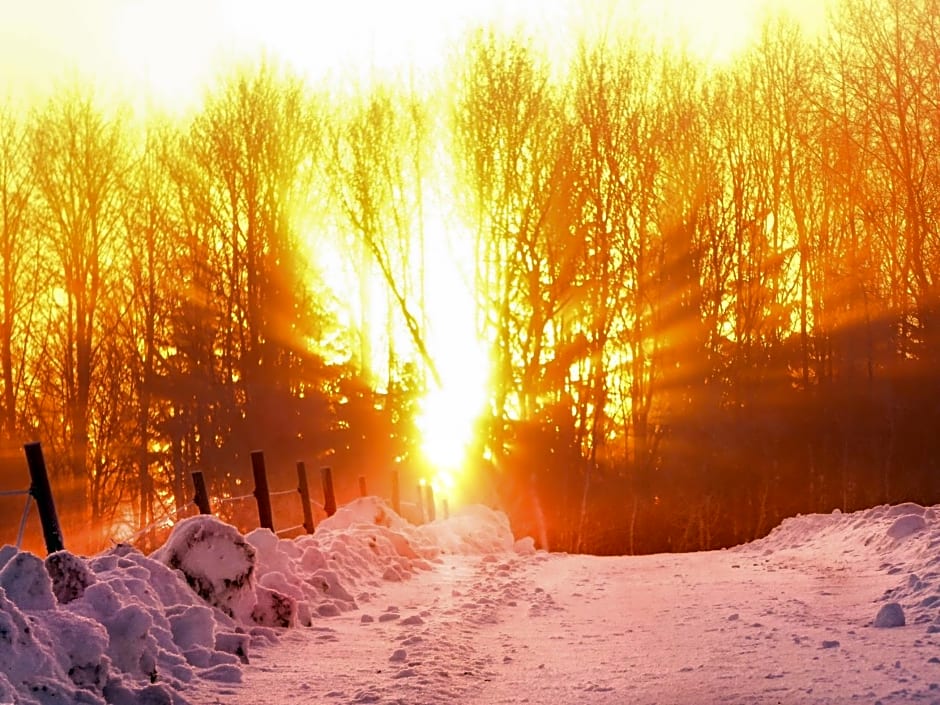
{"x": 370, "y": 609}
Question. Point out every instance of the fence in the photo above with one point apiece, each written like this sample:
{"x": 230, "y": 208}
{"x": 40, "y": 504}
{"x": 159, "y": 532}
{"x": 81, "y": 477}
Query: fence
{"x": 263, "y": 495}
{"x": 40, "y": 491}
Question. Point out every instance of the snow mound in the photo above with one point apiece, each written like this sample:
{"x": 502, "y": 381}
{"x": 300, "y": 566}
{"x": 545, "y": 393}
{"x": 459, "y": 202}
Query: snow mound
{"x": 890, "y": 615}
{"x": 95, "y": 629}
{"x": 472, "y": 530}
{"x": 364, "y": 511}
{"x": 902, "y": 539}
{"x": 880, "y": 529}
{"x": 906, "y": 525}
{"x": 216, "y": 561}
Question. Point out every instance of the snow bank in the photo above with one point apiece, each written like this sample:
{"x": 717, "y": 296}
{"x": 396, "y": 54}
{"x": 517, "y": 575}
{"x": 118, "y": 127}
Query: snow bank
{"x": 881, "y": 528}
{"x": 901, "y": 539}
{"x": 125, "y": 628}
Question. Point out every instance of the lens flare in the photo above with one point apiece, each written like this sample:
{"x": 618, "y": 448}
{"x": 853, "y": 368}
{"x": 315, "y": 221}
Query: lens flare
{"x": 449, "y": 413}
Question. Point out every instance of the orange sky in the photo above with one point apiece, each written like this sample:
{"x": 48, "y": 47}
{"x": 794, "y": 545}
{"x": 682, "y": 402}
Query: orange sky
{"x": 170, "y": 49}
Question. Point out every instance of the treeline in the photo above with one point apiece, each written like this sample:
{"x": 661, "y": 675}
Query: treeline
{"x": 709, "y": 294}
{"x": 162, "y": 309}
{"x": 713, "y": 293}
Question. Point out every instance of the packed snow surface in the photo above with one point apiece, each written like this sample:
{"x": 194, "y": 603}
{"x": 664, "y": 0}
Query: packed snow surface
{"x": 834, "y": 608}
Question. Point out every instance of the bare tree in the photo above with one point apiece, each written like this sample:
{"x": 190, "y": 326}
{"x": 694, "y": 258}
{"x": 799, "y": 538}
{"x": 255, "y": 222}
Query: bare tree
{"x": 890, "y": 78}
{"x": 20, "y": 273}
{"x": 512, "y": 146}
{"x": 376, "y": 175}
{"x": 248, "y": 167}
{"x": 80, "y": 156}
{"x": 154, "y": 276}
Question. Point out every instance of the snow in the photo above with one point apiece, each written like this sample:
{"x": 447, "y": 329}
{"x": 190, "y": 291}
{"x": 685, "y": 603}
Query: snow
{"x": 832, "y": 608}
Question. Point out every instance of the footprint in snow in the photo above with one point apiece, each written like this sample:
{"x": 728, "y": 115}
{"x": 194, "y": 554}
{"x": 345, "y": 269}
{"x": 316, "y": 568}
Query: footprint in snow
{"x": 594, "y": 688}
{"x": 406, "y": 673}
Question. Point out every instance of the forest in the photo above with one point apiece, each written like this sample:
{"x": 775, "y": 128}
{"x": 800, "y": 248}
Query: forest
{"x": 707, "y": 294}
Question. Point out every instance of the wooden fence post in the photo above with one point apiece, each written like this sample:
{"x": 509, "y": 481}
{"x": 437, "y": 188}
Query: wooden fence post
{"x": 396, "y": 493}
{"x": 432, "y": 513}
{"x": 304, "y": 488}
{"x": 201, "y": 499}
{"x": 422, "y": 512}
{"x": 363, "y": 492}
{"x": 41, "y": 491}
{"x": 262, "y": 495}
{"x": 329, "y": 496}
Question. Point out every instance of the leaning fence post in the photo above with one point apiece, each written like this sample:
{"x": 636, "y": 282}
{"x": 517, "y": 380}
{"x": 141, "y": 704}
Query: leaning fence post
{"x": 304, "y": 490}
{"x": 201, "y": 500}
{"x": 396, "y": 493}
{"x": 262, "y": 496}
{"x": 329, "y": 497}
{"x": 42, "y": 492}
{"x": 363, "y": 492}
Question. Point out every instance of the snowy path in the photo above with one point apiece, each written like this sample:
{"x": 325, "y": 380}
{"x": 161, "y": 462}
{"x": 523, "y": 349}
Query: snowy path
{"x": 722, "y": 627}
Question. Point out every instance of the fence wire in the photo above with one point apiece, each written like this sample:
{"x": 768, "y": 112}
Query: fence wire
{"x": 239, "y": 498}
{"x": 291, "y": 528}
{"x": 22, "y": 530}
{"x": 283, "y": 493}
{"x": 161, "y": 522}
{"x": 13, "y": 493}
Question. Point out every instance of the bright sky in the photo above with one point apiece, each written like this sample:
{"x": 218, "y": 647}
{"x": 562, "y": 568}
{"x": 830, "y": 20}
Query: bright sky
{"x": 173, "y": 48}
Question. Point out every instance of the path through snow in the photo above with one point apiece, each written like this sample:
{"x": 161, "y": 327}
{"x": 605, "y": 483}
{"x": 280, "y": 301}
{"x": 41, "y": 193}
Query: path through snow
{"x": 749, "y": 625}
